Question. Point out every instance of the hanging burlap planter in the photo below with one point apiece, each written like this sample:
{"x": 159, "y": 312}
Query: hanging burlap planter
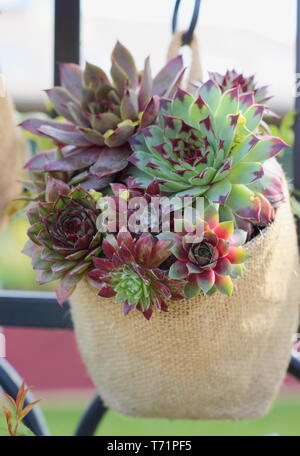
{"x": 208, "y": 358}
{"x": 12, "y": 151}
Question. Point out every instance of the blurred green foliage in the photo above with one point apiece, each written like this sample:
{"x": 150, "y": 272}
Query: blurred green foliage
{"x": 15, "y": 268}
{"x": 285, "y": 130}
{"x": 62, "y": 417}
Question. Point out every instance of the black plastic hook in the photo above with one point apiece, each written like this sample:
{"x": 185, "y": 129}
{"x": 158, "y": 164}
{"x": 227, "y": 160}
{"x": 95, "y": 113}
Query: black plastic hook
{"x": 188, "y": 35}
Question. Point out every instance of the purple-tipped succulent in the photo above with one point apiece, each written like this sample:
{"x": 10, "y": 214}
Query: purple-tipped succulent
{"x": 246, "y": 84}
{"x": 63, "y": 236}
{"x": 131, "y": 273}
{"x": 210, "y": 146}
{"x": 100, "y": 115}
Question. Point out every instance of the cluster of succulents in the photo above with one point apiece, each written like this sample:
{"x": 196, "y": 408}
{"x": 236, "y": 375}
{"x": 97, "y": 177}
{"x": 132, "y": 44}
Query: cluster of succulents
{"x": 130, "y": 272}
{"x": 137, "y": 137}
{"x": 209, "y": 145}
{"x": 99, "y": 116}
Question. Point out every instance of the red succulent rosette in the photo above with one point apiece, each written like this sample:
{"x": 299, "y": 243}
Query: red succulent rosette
{"x": 209, "y": 264}
{"x": 130, "y": 272}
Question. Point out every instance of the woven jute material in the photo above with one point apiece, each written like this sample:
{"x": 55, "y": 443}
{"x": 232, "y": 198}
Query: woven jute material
{"x": 207, "y": 358}
{"x": 195, "y": 71}
{"x": 12, "y": 152}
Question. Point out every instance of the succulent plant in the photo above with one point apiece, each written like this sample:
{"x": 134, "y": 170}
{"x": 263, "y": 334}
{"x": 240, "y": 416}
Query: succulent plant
{"x": 210, "y": 263}
{"x": 132, "y": 208}
{"x": 246, "y": 84}
{"x": 63, "y": 236}
{"x": 208, "y": 146}
{"x": 270, "y": 191}
{"x": 100, "y": 117}
{"x": 130, "y": 272}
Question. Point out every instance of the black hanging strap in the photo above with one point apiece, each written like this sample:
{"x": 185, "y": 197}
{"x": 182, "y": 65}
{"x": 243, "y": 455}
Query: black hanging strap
{"x": 188, "y": 35}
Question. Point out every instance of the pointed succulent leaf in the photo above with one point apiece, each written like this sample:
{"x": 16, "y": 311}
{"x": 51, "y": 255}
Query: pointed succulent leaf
{"x": 211, "y": 216}
{"x": 224, "y": 230}
{"x": 241, "y": 150}
{"x": 110, "y": 161}
{"x": 236, "y": 271}
{"x": 206, "y": 280}
{"x": 74, "y": 137}
{"x": 211, "y": 94}
{"x": 119, "y": 77}
{"x": 124, "y": 59}
{"x": 46, "y": 276}
{"x": 227, "y": 132}
{"x": 219, "y": 192}
{"x": 129, "y": 105}
{"x": 178, "y": 270}
{"x": 224, "y": 284}
{"x": 145, "y": 91}
{"x": 150, "y": 112}
{"x": 92, "y": 136}
{"x": 55, "y": 188}
{"x": 160, "y": 253}
{"x": 223, "y": 267}
{"x": 244, "y": 203}
{"x": 33, "y": 125}
{"x": 143, "y": 249}
{"x": 93, "y": 76}
{"x": 253, "y": 116}
{"x": 103, "y": 122}
{"x": 79, "y": 269}
{"x": 199, "y": 110}
{"x": 106, "y": 291}
{"x": 229, "y": 104}
{"x": 66, "y": 287}
{"x": 237, "y": 255}
{"x": 74, "y": 161}
{"x": 181, "y": 104}
{"x": 245, "y": 173}
{"x": 59, "y": 97}
{"x": 238, "y": 237}
{"x": 246, "y": 100}
{"x": 79, "y": 118}
{"x": 71, "y": 78}
{"x": 167, "y": 77}
{"x": 119, "y": 136}
{"x": 267, "y": 147}
{"x": 192, "y": 289}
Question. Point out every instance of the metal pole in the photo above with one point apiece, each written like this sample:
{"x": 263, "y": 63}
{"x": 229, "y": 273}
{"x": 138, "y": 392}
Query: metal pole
{"x": 66, "y": 33}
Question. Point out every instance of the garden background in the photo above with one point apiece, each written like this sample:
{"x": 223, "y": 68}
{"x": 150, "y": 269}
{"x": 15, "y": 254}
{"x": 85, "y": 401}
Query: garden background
{"x": 256, "y": 40}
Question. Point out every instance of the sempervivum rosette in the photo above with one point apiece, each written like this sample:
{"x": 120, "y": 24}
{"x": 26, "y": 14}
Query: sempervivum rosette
{"x": 131, "y": 273}
{"x": 135, "y": 209}
{"x": 100, "y": 115}
{"x": 210, "y": 263}
{"x": 209, "y": 146}
{"x": 246, "y": 84}
{"x": 63, "y": 236}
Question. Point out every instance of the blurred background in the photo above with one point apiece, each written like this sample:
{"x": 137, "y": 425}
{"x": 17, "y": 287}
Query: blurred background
{"x": 253, "y": 37}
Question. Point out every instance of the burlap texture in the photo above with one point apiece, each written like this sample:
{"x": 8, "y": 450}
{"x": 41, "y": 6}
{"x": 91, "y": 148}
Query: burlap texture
{"x": 12, "y": 153}
{"x": 195, "y": 71}
{"x": 208, "y": 358}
